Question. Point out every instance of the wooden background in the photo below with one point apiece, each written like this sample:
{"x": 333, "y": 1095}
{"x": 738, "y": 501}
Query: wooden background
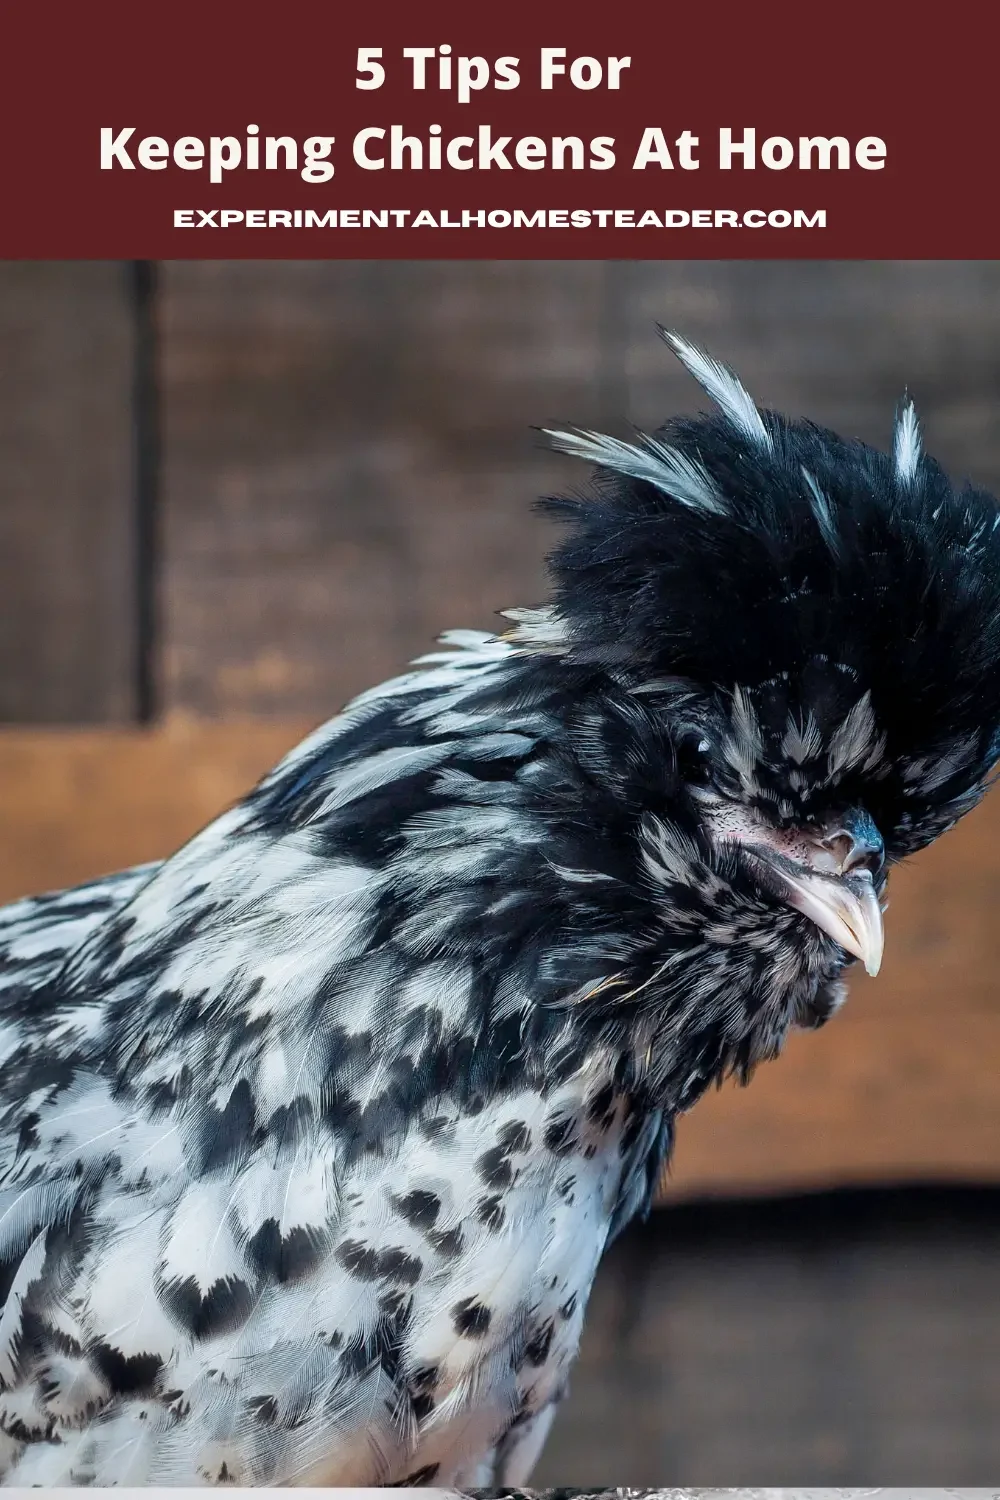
{"x": 849, "y": 1339}
{"x": 343, "y": 457}
{"x": 231, "y": 495}
{"x": 347, "y": 452}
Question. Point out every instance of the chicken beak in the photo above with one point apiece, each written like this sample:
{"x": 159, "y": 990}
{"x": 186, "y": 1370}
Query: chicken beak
{"x": 829, "y": 876}
{"x": 846, "y": 907}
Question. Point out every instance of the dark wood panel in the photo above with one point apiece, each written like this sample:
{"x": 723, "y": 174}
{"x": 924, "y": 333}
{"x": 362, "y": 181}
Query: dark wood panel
{"x": 836, "y": 341}
{"x": 67, "y": 642}
{"x": 350, "y": 461}
{"x": 833, "y": 1340}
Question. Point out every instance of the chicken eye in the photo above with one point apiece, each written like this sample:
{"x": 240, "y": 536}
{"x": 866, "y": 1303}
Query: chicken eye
{"x": 694, "y": 760}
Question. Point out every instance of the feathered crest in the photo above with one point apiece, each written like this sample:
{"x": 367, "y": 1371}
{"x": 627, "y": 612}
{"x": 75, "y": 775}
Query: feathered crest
{"x": 906, "y": 447}
{"x": 677, "y": 474}
{"x": 799, "y": 557}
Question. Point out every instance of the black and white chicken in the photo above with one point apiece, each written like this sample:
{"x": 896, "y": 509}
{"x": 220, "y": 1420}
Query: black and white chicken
{"x": 313, "y": 1135}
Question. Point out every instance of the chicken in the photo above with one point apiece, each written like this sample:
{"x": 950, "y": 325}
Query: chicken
{"x": 313, "y": 1135}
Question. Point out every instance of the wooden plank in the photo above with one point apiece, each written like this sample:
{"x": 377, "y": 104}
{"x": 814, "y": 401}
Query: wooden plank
{"x": 349, "y": 463}
{"x": 66, "y": 539}
{"x": 903, "y": 1084}
{"x": 76, "y": 803}
{"x": 876, "y": 1097}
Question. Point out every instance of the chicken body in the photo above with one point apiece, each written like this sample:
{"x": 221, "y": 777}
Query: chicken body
{"x": 312, "y": 1137}
{"x": 287, "y": 1199}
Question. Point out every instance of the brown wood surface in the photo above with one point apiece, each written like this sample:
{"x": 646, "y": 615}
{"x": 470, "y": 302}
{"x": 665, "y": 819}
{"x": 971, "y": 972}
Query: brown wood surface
{"x": 903, "y": 1084}
{"x": 349, "y": 461}
{"x": 78, "y": 802}
{"x": 67, "y": 643}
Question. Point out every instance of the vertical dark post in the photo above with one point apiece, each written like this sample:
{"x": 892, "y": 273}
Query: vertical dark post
{"x": 146, "y": 483}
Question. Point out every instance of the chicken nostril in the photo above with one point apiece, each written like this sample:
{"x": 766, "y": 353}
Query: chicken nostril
{"x": 853, "y": 853}
{"x": 840, "y": 845}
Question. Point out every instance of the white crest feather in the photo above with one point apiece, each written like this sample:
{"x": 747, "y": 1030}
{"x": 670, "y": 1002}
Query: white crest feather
{"x": 821, "y": 510}
{"x": 854, "y": 739}
{"x": 721, "y": 384}
{"x": 683, "y": 478}
{"x": 745, "y": 721}
{"x": 538, "y": 629}
{"x": 906, "y": 449}
{"x": 802, "y": 739}
{"x": 744, "y": 747}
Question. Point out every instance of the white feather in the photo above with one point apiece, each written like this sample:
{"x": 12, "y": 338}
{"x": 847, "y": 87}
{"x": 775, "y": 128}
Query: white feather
{"x": 200, "y": 1244}
{"x": 725, "y": 390}
{"x": 671, "y": 472}
{"x": 906, "y": 446}
{"x": 853, "y": 739}
{"x": 28, "y": 1272}
{"x": 822, "y": 511}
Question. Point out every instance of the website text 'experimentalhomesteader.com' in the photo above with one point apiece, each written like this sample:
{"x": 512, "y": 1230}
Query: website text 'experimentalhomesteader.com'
{"x": 499, "y": 218}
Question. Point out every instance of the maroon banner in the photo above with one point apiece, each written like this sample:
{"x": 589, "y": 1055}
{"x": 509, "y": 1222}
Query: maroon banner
{"x": 307, "y": 130}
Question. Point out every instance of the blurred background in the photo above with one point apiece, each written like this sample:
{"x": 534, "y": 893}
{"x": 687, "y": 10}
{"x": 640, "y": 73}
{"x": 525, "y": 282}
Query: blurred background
{"x": 233, "y": 494}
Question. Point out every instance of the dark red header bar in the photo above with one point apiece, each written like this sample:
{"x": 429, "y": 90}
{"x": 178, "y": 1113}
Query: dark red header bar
{"x": 520, "y": 132}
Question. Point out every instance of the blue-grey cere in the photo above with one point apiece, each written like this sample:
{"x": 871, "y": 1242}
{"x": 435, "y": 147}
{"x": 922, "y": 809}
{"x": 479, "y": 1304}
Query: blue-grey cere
{"x": 313, "y": 1134}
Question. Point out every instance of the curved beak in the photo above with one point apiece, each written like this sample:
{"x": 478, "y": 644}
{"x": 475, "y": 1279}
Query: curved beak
{"x": 829, "y": 876}
{"x": 845, "y": 907}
